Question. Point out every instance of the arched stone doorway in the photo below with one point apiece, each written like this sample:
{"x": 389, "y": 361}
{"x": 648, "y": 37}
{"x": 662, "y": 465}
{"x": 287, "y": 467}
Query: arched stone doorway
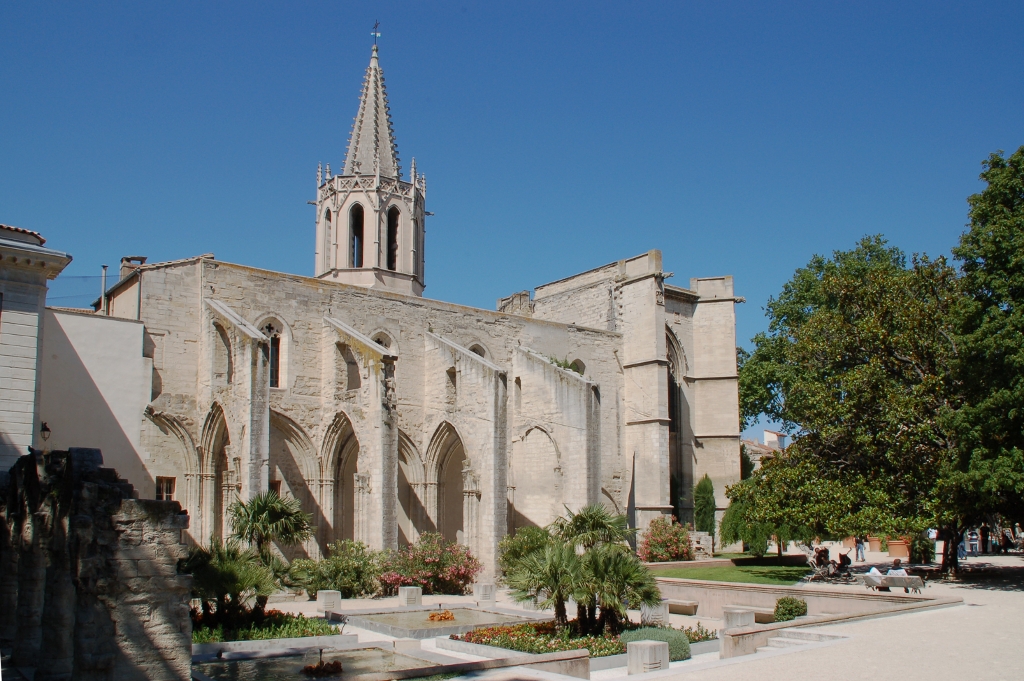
{"x": 293, "y": 473}
{"x": 412, "y": 516}
{"x": 343, "y": 484}
{"x": 219, "y": 484}
{"x": 458, "y": 493}
{"x": 536, "y": 478}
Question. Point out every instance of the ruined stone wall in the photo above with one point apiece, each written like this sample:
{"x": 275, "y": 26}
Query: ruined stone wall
{"x": 97, "y": 594}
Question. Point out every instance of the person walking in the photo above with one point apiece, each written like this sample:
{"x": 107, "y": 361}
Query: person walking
{"x": 859, "y": 543}
{"x": 972, "y": 544}
{"x": 985, "y": 531}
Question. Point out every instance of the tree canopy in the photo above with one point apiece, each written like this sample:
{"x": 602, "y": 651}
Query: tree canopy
{"x": 900, "y": 381}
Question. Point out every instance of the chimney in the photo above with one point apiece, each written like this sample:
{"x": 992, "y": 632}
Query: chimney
{"x": 130, "y": 263}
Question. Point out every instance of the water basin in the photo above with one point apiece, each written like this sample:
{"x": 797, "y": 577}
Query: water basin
{"x": 289, "y": 667}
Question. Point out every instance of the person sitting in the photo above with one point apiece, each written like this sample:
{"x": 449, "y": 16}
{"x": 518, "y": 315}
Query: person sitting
{"x": 897, "y": 571}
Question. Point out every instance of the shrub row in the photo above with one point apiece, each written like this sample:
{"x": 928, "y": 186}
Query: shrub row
{"x": 272, "y": 624}
{"x": 436, "y": 565}
{"x": 546, "y": 638}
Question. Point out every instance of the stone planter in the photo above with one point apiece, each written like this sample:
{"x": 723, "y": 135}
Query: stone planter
{"x": 899, "y": 548}
{"x": 850, "y": 543}
{"x": 874, "y": 543}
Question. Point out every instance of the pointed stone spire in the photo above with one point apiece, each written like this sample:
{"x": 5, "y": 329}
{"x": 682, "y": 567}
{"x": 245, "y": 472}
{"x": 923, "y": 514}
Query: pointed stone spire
{"x": 319, "y": 174}
{"x": 371, "y": 146}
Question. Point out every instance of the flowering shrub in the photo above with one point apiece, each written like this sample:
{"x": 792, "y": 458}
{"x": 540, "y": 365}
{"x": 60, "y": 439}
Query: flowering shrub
{"x": 534, "y": 638}
{"x": 350, "y": 568}
{"x": 436, "y": 565}
{"x": 699, "y": 633}
{"x": 665, "y": 540}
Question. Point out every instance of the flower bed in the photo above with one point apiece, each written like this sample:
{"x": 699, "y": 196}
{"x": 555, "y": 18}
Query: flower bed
{"x": 528, "y": 638}
{"x": 273, "y": 624}
{"x": 543, "y": 637}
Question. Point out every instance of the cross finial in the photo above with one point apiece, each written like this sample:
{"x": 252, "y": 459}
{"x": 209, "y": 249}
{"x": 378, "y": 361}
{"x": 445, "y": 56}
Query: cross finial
{"x": 376, "y": 33}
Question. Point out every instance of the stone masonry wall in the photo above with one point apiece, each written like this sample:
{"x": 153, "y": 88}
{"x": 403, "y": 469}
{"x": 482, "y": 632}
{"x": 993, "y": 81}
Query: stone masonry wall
{"x": 96, "y": 591}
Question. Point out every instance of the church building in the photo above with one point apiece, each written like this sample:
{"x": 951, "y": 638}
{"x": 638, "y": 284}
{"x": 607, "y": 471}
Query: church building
{"x": 387, "y": 414}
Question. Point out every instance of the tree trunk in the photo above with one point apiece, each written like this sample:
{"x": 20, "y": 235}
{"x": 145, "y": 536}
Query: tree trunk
{"x": 950, "y": 557}
{"x": 560, "y": 616}
{"x": 581, "y": 619}
{"x": 778, "y": 546}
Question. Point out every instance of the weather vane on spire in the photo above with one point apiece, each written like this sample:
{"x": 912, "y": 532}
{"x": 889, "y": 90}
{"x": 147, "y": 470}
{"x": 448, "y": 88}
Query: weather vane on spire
{"x": 375, "y": 33}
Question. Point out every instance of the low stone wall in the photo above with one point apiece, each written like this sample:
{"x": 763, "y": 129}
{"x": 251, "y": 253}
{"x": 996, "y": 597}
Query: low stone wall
{"x": 711, "y": 597}
{"x": 275, "y": 646}
{"x": 92, "y": 573}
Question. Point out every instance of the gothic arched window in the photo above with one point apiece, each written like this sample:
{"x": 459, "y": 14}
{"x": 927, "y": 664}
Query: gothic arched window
{"x": 355, "y": 240}
{"x": 328, "y": 240}
{"x": 274, "y": 333}
{"x": 392, "y": 251}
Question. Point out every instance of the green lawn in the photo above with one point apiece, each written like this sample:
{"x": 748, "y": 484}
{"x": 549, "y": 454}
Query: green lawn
{"x": 776, "y": 575}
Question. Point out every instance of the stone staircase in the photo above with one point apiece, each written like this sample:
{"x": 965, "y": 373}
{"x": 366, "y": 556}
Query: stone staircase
{"x": 797, "y": 638}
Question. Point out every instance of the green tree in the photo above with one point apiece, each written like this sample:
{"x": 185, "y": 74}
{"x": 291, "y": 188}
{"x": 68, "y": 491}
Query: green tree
{"x": 227, "y": 575}
{"x": 550, "y": 576}
{"x": 617, "y": 579}
{"x": 592, "y": 525}
{"x": 513, "y": 547}
{"x": 989, "y": 477}
{"x": 704, "y": 506}
{"x": 268, "y": 518}
{"x": 857, "y": 361}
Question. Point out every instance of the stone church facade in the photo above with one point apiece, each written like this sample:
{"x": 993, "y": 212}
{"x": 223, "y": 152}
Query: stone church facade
{"x": 387, "y": 414}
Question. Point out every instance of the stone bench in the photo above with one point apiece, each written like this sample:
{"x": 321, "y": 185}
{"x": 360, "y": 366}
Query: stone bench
{"x": 878, "y": 582}
{"x": 682, "y": 607}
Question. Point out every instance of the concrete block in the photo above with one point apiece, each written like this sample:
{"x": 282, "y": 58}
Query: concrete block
{"x": 737, "y": 616}
{"x": 485, "y": 593}
{"x": 646, "y": 656}
{"x": 328, "y": 600}
{"x": 655, "y": 615}
{"x": 410, "y": 596}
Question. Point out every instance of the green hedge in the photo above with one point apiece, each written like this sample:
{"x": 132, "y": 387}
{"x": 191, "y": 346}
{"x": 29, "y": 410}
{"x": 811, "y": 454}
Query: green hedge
{"x": 787, "y": 608}
{"x": 678, "y": 642}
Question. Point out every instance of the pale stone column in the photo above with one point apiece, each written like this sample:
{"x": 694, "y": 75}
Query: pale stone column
{"x": 431, "y": 512}
{"x": 208, "y": 507}
{"x": 327, "y": 530}
{"x": 471, "y": 510}
{"x": 360, "y": 510}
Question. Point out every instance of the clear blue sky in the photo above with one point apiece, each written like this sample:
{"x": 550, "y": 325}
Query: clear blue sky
{"x": 738, "y": 138}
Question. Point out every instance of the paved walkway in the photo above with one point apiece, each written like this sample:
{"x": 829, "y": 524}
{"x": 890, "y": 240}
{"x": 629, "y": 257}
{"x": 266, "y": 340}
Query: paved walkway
{"x": 982, "y": 639}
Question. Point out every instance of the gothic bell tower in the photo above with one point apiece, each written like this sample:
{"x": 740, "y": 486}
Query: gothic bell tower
{"x": 369, "y": 221}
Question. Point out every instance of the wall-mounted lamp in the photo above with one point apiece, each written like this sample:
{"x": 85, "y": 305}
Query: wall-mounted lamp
{"x": 44, "y": 430}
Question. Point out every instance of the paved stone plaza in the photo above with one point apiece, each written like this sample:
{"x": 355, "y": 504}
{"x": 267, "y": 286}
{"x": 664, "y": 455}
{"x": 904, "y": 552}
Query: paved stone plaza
{"x": 980, "y": 639}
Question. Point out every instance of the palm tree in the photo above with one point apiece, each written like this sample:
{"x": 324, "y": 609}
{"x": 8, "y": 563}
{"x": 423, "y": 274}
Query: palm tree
{"x": 267, "y": 518}
{"x": 552, "y": 574}
{"x": 620, "y": 581}
{"x": 228, "y": 575}
{"x": 592, "y": 525}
